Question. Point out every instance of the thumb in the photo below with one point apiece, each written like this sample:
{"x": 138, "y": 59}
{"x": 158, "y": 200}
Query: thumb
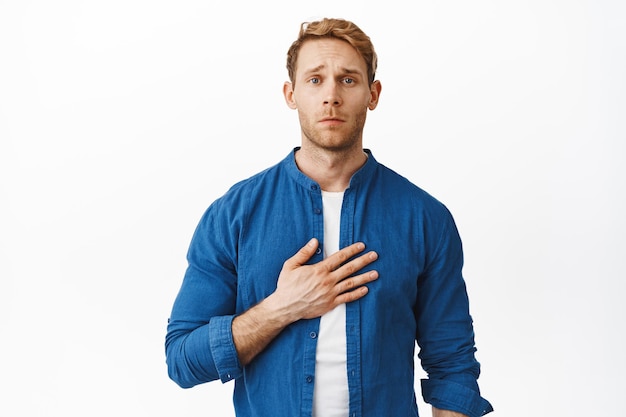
{"x": 303, "y": 255}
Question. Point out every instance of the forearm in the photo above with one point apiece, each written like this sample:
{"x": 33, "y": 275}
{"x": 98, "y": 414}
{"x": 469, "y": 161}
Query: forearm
{"x": 256, "y": 328}
{"x": 446, "y": 413}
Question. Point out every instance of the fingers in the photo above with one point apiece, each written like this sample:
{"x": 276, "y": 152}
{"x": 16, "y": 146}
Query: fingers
{"x": 303, "y": 255}
{"x": 337, "y": 259}
{"x": 339, "y": 264}
{"x": 351, "y": 296}
{"x": 350, "y": 284}
{"x": 351, "y": 289}
{"x": 343, "y": 269}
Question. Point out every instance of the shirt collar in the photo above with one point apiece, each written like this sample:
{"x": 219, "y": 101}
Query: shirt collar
{"x": 363, "y": 174}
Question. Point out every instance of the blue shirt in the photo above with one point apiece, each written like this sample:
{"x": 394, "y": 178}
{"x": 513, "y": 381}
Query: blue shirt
{"x": 237, "y": 253}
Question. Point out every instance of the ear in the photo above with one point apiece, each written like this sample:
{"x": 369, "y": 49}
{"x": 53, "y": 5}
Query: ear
{"x": 288, "y": 93}
{"x": 375, "y": 90}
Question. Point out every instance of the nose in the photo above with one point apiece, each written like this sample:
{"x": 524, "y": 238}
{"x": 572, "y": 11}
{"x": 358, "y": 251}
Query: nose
{"x": 331, "y": 94}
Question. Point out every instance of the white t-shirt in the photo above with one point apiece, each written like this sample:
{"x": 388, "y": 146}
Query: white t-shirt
{"x": 330, "y": 394}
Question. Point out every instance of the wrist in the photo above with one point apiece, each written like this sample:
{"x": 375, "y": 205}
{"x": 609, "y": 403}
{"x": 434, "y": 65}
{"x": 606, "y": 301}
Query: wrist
{"x": 277, "y": 311}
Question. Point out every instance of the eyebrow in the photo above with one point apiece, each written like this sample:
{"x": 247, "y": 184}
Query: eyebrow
{"x": 343, "y": 70}
{"x": 316, "y": 69}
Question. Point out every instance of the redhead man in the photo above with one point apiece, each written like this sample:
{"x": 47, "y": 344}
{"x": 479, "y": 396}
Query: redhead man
{"x": 311, "y": 283}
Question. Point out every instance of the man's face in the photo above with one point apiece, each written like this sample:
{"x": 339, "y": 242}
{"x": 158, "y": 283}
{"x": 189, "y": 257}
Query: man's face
{"x": 332, "y": 94}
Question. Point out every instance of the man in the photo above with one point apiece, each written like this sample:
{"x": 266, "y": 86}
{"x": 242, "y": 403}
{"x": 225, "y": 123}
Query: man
{"x": 329, "y": 328}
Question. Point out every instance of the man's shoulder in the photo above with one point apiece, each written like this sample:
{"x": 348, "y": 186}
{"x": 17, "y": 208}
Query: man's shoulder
{"x": 259, "y": 182}
{"x": 258, "y": 179}
{"x": 405, "y": 188}
{"x": 240, "y": 197}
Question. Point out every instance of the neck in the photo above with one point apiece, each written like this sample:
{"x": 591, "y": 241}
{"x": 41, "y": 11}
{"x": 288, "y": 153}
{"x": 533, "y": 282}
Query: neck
{"x": 331, "y": 170}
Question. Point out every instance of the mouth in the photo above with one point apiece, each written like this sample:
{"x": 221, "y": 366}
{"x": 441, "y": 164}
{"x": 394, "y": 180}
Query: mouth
{"x": 331, "y": 121}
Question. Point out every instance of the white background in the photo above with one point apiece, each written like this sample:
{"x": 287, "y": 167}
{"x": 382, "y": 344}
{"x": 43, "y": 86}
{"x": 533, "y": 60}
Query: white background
{"x": 121, "y": 121}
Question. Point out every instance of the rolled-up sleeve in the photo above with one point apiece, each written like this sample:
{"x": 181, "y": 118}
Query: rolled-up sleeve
{"x": 224, "y": 353}
{"x": 445, "y": 330}
{"x": 449, "y": 395}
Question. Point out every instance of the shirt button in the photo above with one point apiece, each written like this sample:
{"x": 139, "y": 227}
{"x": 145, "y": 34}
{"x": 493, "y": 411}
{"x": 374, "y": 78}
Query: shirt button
{"x": 309, "y": 379}
{"x": 318, "y": 251}
{"x": 317, "y": 211}
{"x": 314, "y": 187}
{"x": 313, "y": 335}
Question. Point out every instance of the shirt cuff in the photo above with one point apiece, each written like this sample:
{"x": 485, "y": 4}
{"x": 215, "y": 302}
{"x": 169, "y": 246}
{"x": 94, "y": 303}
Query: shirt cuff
{"x": 450, "y": 395}
{"x": 223, "y": 348}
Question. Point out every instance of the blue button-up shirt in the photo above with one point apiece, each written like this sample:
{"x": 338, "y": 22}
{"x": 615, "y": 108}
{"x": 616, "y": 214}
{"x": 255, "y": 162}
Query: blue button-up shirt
{"x": 237, "y": 253}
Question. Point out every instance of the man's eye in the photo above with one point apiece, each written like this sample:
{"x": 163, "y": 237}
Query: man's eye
{"x": 348, "y": 81}
{"x": 314, "y": 80}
